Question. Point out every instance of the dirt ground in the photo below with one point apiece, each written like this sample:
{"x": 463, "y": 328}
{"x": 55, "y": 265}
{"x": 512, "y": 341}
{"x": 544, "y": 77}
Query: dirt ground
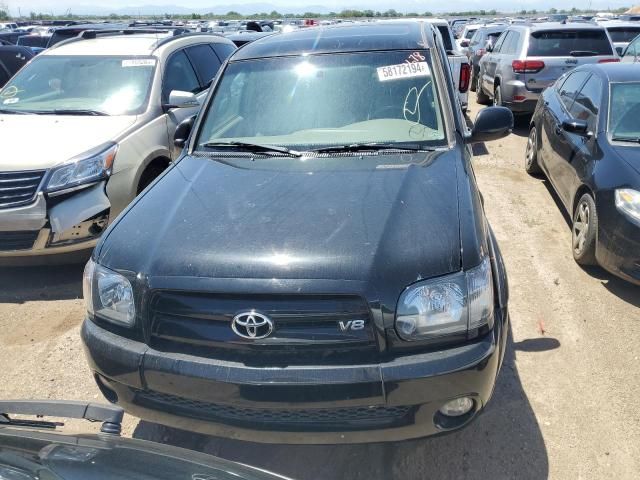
{"x": 566, "y": 402}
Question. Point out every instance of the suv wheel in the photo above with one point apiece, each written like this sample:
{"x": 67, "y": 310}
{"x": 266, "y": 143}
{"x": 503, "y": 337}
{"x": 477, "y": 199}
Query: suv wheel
{"x": 583, "y": 231}
{"x": 481, "y": 97}
{"x": 531, "y": 157}
{"x": 497, "y": 97}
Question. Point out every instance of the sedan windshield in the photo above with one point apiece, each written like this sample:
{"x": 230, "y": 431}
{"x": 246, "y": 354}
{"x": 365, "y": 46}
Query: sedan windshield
{"x": 624, "y": 111}
{"x": 325, "y": 100}
{"x": 99, "y": 84}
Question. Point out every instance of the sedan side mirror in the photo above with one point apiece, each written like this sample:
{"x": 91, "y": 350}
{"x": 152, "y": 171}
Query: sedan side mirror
{"x": 178, "y": 99}
{"x": 492, "y": 123}
{"x": 183, "y": 130}
{"x": 579, "y": 127}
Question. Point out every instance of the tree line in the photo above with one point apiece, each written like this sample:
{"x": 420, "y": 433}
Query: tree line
{"x": 232, "y": 15}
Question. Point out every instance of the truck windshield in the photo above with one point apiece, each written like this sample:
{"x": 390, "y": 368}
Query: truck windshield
{"x": 109, "y": 85}
{"x": 324, "y": 100}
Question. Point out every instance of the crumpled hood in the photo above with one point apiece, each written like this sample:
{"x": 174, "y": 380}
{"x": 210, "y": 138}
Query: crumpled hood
{"x": 373, "y": 219}
{"x": 34, "y": 142}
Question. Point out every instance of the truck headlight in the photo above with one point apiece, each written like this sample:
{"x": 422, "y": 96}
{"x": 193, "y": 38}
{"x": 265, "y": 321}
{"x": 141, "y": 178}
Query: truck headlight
{"x": 108, "y": 294}
{"x": 87, "y": 168}
{"x": 447, "y": 305}
{"x": 628, "y": 203}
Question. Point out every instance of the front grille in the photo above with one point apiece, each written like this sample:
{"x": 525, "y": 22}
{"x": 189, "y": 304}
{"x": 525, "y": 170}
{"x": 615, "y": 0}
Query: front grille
{"x": 19, "y": 188}
{"x": 10, "y": 241}
{"x": 341, "y": 419}
{"x": 306, "y": 328}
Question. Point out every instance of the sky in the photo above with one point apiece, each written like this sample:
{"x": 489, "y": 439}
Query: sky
{"x": 335, "y": 5}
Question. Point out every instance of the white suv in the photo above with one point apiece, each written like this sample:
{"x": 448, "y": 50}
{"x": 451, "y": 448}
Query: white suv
{"x": 88, "y": 124}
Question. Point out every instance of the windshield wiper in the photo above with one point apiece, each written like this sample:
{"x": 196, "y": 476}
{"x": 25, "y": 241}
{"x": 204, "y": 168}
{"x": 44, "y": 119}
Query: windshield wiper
{"x": 626, "y": 139}
{"x": 14, "y": 112}
{"x": 252, "y": 147}
{"x": 363, "y": 147}
{"x": 70, "y": 111}
{"x": 582, "y": 53}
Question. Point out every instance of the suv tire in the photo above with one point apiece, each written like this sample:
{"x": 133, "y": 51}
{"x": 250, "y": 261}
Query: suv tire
{"x": 583, "y": 231}
{"x": 481, "y": 97}
{"x": 531, "y": 156}
{"x": 497, "y": 96}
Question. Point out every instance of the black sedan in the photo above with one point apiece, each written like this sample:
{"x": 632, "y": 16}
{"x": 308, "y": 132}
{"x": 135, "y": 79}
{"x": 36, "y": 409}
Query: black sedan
{"x": 585, "y": 137}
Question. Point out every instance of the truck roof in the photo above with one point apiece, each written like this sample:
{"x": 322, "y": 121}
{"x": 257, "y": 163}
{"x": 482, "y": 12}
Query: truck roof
{"x": 354, "y": 37}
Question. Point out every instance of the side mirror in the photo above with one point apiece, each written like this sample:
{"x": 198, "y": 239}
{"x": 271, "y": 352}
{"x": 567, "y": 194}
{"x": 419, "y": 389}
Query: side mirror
{"x": 489, "y": 47}
{"x": 464, "y": 43}
{"x": 178, "y": 99}
{"x": 492, "y": 123}
{"x": 579, "y": 127}
{"x": 183, "y": 130}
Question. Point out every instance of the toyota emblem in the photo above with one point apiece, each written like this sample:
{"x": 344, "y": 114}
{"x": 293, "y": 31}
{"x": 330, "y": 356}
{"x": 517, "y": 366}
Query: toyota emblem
{"x": 252, "y": 325}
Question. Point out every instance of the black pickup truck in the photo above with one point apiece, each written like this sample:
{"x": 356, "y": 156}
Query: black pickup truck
{"x": 317, "y": 266}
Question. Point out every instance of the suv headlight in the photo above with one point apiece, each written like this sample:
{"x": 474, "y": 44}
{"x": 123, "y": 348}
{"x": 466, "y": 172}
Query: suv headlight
{"x": 447, "y": 305}
{"x": 628, "y": 203}
{"x": 87, "y": 168}
{"x": 108, "y": 295}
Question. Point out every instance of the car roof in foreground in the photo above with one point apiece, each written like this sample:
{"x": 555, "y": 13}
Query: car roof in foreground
{"x": 125, "y": 45}
{"x": 341, "y": 38}
{"x": 615, "y": 71}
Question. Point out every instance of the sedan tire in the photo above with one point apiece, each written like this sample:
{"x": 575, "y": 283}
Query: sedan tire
{"x": 583, "y": 231}
{"x": 531, "y": 156}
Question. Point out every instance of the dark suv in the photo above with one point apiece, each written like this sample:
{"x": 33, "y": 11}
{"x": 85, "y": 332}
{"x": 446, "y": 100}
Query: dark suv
{"x": 317, "y": 267}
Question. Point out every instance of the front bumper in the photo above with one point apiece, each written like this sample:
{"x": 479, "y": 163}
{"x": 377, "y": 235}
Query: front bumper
{"x": 618, "y": 245}
{"x": 72, "y": 224}
{"x": 315, "y": 404}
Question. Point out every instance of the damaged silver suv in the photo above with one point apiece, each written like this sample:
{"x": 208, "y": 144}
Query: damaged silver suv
{"x": 88, "y": 124}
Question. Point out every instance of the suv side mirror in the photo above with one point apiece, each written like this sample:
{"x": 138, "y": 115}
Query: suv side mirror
{"x": 492, "y": 123}
{"x": 489, "y": 47}
{"x": 183, "y": 130}
{"x": 178, "y": 99}
{"x": 579, "y": 127}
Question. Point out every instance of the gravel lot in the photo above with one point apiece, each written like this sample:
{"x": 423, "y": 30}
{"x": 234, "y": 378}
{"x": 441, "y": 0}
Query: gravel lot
{"x": 566, "y": 401}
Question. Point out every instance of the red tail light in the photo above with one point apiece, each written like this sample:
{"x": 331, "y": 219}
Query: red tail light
{"x": 465, "y": 77}
{"x": 527, "y": 66}
{"x": 609, "y": 60}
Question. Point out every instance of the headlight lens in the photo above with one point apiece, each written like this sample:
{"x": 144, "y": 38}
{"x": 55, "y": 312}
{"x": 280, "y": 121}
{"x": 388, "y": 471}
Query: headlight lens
{"x": 89, "y": 167}
{"x": 447, "y": 305}
{"x": 628, "y": 202}
{"x": 108, "y": 294}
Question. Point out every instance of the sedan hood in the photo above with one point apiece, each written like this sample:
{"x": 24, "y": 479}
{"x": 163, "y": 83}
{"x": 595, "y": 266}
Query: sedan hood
{"x": 384, "y": 218}
{"x": 35, "y": 142}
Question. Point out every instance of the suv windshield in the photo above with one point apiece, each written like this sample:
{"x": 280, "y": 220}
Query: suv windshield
{"x": 624, "y": 110}
{"x": 323, "y": 100}
{"x": 561, "y": 43}
{"x": 107, "y": 85}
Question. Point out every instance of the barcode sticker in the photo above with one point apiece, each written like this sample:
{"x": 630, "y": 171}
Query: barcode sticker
{"x": 139, "y": 62}
{"x": 403, "y": 70}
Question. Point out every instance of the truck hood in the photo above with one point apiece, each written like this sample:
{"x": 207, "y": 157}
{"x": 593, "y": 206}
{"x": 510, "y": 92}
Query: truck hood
{"x": 35, "y": 142}
{"x": 387, "y": 219}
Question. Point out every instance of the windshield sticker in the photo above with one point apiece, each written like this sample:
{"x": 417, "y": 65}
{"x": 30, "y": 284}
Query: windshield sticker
{"x": 415, "y": 57}
{"x": 10, "y": 92}
{"x": 9, "y": 101}
{"x": 139, "y": 62}
{"x": 403, "y": 70}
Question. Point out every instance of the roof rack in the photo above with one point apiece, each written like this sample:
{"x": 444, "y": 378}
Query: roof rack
{"x": 90, "y": 34}
{"x": 110, "y": 415}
